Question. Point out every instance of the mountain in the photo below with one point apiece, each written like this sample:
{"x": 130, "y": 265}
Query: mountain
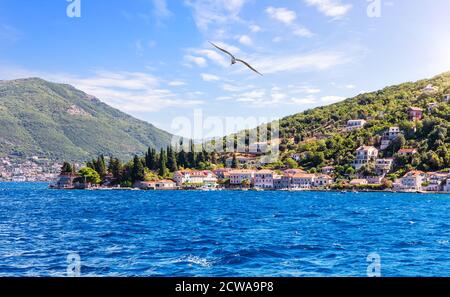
{"x": 58, "y": 121}
{"x": 318, "y": 137}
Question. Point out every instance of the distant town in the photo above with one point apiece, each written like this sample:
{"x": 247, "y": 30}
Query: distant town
{"x": 33, "y": 169}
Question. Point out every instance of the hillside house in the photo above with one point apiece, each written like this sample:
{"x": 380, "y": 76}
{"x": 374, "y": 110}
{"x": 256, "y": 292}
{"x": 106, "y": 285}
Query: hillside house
{"x": 407, "y": 152}
{"x": 383, "y": 166}
{"x": 364, "y": 155}
{"x": 328, "y": 170}
{"x": 355, "y": 124}
{"x": 415, "y": 114}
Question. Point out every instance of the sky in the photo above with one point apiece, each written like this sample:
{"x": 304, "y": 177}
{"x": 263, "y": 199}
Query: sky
{"x": 152, "y": 58}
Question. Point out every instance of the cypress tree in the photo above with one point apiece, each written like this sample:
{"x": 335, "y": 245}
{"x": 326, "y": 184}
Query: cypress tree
{"x": 137, "y": 171}
{"x": 192, "y": 160}
{"x": 171, "y": 159}
{"x": 162, "y": 163}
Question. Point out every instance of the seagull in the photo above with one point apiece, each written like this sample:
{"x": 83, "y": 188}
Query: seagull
{"x": 234, "y": 60}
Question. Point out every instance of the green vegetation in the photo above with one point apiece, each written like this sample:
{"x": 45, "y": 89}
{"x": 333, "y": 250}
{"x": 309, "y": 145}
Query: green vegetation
{"x": 319, "y": 137}
{"x": 63, "y": 123}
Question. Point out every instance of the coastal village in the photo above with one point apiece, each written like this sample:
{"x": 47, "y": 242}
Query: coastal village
{"x": 246, "y": 172}
{"x": 34, "y": 169}
{"x": 370, "y": 170}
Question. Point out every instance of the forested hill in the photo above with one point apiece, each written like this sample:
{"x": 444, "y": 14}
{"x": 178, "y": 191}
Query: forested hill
{"x": 318, "y": 135}
{"x": 55, "y": 120}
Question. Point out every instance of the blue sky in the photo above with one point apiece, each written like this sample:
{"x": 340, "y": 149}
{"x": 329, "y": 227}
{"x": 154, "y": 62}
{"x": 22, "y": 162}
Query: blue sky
{"x": 151, "y": 58}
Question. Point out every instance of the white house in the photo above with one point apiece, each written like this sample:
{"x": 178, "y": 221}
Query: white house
{"x": 383, "y": 166}
{"x": 328, "y": 170}
{"x": 264, "y": 179}
{"x": 238, "y": 176}
{"x": 323, "y": 180}
{"x": 436, "y": 181}
{"x": 430, "y": 88}
{"x": 407, "y": 152}
{"x": 393, "y": 132}
{"x": 303, "y": 180}
{"x": 355, "y": 124}
{"x": 411, "y": 181}
{"x": 199, "y": 177}
{"x": 364, "y": 155}
{"x": 447, "y": 185}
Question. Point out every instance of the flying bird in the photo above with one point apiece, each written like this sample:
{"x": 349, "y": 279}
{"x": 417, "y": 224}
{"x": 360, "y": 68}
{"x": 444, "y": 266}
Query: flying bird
{"x": 234, "y": 60}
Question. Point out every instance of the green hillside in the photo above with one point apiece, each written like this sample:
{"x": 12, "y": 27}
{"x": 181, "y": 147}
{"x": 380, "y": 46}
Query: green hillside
{"x": 58, "y": 121}
{"x": 318, "y": 135}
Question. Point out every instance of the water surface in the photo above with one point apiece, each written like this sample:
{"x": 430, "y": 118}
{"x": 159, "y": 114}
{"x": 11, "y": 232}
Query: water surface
{"x": 224, "y": 233}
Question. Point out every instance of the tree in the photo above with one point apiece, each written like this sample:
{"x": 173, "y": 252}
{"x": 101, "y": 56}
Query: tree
{"x": 234, "y": 162}
{"x": 88, "y": 175}
{"x": 66, "y": 168}
{"x": 291, "y": 163}
{"x": 171, "y": 160}
{"x": 137, "y": 171}
{"x": 162, "y": 164}
{"x": 191, "y": 155}
{"x": 151, "y": 159}
{"x": 115, "y": 168}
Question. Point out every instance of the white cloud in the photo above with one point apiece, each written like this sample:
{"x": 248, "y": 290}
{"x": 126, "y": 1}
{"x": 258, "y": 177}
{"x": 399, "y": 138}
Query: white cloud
{"x": 303, "y": 101}
{"x": 303, "y": 32}
{"x": 209, "y": 77}
{"x": 199, "y": 61}
{"x": 215, "y": 12}
{"x": 127, "y": 91}
{"x": 255, "y": 28}
{"x": 160, "y": 9}
{"x": 331, "y": 8}
{"x": 277, "y": 39}
{"x": 290, "y": 63}
{"x": 283, "y": 15}
{"x": 245, "y": 40}
{"x": 177, "y": 83}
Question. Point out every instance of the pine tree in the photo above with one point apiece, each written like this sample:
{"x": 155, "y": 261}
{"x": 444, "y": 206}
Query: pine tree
{"x": 115, "y": 167}
{"x": 171, "y": 159}
{"x": 137, "y": 171}
{"x": 162, "y": 164}
{"x": 192, "y": 159}
{"x": 66, "y": 168}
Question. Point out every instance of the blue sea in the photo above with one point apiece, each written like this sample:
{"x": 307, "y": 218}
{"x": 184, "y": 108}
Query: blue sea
{"x": 223, "y": 233}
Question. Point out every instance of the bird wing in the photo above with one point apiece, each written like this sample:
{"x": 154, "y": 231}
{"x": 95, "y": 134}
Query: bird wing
{"x": 221, "y": 49}
{"x": 249, "y": 66}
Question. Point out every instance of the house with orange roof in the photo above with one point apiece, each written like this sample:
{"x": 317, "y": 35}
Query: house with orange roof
{"x": 264, "y": 179}
{"x": 411, "y": 181}
{"x": 303, "y": 181}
